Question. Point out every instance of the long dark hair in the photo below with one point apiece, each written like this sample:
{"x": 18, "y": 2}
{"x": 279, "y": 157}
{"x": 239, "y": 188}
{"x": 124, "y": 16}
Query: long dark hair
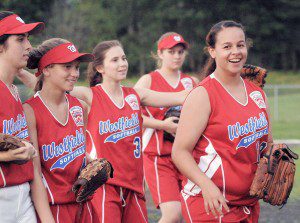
{"x": 36, "y": 54}
{"x": 211, "y": 37}
{"x": 93, "y": 76}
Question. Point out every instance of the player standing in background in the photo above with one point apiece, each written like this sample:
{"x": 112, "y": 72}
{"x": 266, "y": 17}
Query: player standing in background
{"x": 115, "y": 131}
{"x": 223, "y": 129}
{"x": 17, "y": 181}
{"x": 161, "y": 175}
{"x": 56, "y": 123}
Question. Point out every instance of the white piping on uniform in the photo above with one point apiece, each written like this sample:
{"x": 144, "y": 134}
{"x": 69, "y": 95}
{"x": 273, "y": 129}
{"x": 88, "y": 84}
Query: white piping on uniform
{"x": 224, "y": 184}
{"x": 208, "y": 164}
{"x": 157, "y": 179}
{"x": 14, "y": 91}
{"x": 63, "y": 124}
{"x": 123, "y": 102}
{"x": 122, "y": 198}
{"x": 3, "y": 177}
{"x": 57, "y": 215}
{"x": 147, "y": 134}
{"x": 93, "y": 153}
{"x": 186, "y": 206}
{"x": 20, "y": 188}
{"x": 89, "y": 211}
{"x": 48, "y": 188}
{"x": 157, "y": 143}
{"x": 140, "y": 207}
{"x": 246, "y": 103}
{"x": 176, "y": 84}
{"x": 103, "y": 202}
{"x": 246, "y": 210}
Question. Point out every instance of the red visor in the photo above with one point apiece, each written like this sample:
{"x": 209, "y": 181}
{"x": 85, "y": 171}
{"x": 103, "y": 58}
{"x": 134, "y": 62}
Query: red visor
{"x": 13, "y": 24}
{"x": 171, "y": 41}
{"x": 63, "y": 53}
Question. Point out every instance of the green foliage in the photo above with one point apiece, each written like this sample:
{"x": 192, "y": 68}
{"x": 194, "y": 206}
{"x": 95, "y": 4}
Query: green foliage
{"x": 139, "y": 24}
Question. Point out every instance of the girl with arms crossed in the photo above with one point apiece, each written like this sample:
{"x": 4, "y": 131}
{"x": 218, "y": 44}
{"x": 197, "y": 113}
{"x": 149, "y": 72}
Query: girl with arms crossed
{"x": 223, "y": 129}
{"x": 162, "y": 176}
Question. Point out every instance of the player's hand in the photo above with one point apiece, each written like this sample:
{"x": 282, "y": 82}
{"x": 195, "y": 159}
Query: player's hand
{"x": 214, "y": 201}
{"x": 26, "y": 152}
{"x": 170, "y": 126}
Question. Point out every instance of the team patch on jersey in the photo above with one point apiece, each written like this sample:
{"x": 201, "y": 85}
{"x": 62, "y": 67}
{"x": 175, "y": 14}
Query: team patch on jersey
{"x": 258, "y": 99}
{"x": 187, "y": 83}
{"x": 77, "y": 115}
{"x": 120, "y": 129}
{"x": 254, "y": 129}
{"x": 133, "y": 102}
{"x": 16, "y": 127}
{"x": 68, "y": 150}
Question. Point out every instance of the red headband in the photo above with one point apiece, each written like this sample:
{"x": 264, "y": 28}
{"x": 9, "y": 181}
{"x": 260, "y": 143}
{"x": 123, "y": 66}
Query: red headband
{"x": 171, "y": 41}
{"x": 13, "y": 24}
{"x": 63, "y": 53}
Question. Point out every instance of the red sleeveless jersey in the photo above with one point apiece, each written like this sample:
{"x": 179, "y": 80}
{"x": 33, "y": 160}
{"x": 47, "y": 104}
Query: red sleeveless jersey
{"x": 156, "y": 145}
{"x": 61, "y": 147}
{"x": 115, "y": 133}
{"x": 13, "y": 122}
{"x": 230, "y": 146}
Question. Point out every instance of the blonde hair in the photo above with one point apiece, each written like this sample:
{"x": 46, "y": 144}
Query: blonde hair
{"x": 154, "y": 55}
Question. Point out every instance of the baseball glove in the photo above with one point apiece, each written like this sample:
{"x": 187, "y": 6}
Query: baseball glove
{"x": 254, "y": 74}
{"x": 8, "y": 142}
{"x": 93, "y": 176}
{"x": 274, "y": 177}
{"x": 171, "y": 112}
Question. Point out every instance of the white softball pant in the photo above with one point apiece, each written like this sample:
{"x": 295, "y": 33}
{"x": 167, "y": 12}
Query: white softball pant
{"x": 16, "y": 205}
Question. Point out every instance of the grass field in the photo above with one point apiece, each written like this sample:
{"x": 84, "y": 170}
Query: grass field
{"x": 296, "y": 190}
{"x": 288, "y": 124}
{"x": 276, "y": 77}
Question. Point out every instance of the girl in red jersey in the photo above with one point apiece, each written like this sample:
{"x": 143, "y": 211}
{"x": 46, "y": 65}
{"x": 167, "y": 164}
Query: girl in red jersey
{"x": 162, "y": 176}
{"x": 223, "y": 129}
{"x": 115, "y": 131}
{"x": 57, "y": 127}
{"x": 17, "y": 181}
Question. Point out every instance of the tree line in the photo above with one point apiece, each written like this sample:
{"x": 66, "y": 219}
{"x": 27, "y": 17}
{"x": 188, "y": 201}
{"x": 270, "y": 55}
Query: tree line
{"x": 273, "y": 26}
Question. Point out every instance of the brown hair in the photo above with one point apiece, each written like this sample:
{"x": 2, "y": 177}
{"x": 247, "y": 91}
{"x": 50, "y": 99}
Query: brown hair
{"x": 154, "y": 55}
{"x": 211, "y": 37}
{"x": 37, "y": 53}
{"x": 3, "y": 38}
{"x": 99, "y": 52}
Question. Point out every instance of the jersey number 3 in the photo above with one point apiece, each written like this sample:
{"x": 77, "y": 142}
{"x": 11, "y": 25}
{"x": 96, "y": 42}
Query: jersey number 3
{"x": 137, "y": 143}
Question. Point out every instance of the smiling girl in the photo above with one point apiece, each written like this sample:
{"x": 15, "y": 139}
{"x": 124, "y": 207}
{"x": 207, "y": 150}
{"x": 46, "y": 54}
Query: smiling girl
{"x": 57, "y": 127}
{"x": 223, "y": 129}
{"x": 115, "y": 131}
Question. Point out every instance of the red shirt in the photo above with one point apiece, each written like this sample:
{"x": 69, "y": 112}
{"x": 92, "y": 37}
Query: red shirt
{"x": 61, "y": 147}
{"x": 13, "y": 122}
{"x": 115, "y": 133}
{"x": 156, "y": 145}
{"x": 229, "y": 148}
